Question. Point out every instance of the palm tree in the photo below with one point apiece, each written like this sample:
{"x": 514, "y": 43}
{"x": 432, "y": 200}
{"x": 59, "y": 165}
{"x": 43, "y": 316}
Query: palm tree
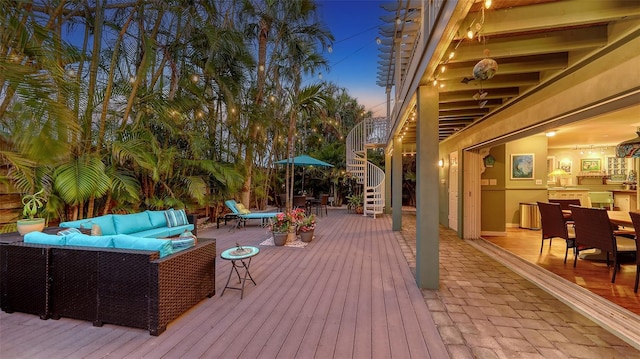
{"x": 280, "y": 26}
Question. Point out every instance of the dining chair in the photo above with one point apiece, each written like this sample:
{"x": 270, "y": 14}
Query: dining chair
{"x": 594, "y": 230}
{"x": 300, "y": 202}
{"x": 319, "y": 204}
{"x": 635, "y": 218}
{"x": 565, "y": 204}
{"x": 555, "y": 226}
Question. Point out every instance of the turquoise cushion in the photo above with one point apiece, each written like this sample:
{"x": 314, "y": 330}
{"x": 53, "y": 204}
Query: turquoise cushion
{"x": 124, "y": 241}
{"x": 181, "y": 244}
{"x": 231, "y": 204}
{"x": 130, "y": 223}
{"x": 161, "y": 232}
{"x": 157, "y": 218}
{"x": 43, "y": 238}
{"x": 83, "y": 240}
{"x": 106, "y": 224}
{"x": 174, "y": 231}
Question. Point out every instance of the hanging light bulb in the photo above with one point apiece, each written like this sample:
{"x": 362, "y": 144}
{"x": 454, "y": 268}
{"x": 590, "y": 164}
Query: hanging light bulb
{"x": 378, "y": 41}
{"x": 261, "y": 68}
{"x": 195, "y": 78}
{"x": 443, "y": 68}
{"x": 451, "y": 54}
{"x": 469, "y": 33}
{"x": 330, "y": 49}
{"x": 398, "y": 21}
{"x": 487, "y": 4}
{"x": 320, "y": 76}
{"x": 132, "y": 79}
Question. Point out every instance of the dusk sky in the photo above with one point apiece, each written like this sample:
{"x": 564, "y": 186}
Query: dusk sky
{"x": 354, "y": 60}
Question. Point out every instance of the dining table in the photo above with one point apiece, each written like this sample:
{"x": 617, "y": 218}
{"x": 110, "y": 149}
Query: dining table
{"x": 621, "y": 218}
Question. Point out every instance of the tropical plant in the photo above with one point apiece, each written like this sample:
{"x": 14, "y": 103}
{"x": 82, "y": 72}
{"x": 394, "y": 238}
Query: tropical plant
{"x": 170, "y": 105}
{"x": 280, "y": 223}
{"x": 33, "y": 203}
{"x": 283, "y": 222}
{"x": 308, "y": 223}
{"x": 355, "y": 200}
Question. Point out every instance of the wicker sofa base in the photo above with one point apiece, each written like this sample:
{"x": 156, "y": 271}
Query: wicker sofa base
{"x": 124, "y": 287}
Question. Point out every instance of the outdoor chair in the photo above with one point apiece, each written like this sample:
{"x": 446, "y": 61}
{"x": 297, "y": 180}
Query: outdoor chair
{"x": 319, "y": 204}
{"x": 300, "y": 202}
{"x": 244, "y": 214}
{"x": 594, "y": 230}
{"x": 281, "y": 201}
{"x": 554, "y": 225}
{"x": 565, "y": 205}
{"x": 635, "y": 218}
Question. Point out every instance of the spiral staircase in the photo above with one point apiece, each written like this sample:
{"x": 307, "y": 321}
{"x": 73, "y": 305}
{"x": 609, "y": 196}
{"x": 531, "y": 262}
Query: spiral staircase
{"x": 370, "y": 133}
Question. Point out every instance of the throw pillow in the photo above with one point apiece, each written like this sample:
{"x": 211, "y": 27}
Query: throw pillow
{"x": 67, "y": 231}
{"x": 242, "y": 209}
{"x": 96, "y": 230}
{"x": 176, "y": 218}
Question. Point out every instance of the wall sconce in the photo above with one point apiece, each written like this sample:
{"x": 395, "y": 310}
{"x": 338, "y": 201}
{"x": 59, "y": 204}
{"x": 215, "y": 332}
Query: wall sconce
{"x": 441, "y": 163}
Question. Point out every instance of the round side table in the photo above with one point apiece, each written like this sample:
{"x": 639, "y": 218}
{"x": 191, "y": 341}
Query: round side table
{"x": 242, "y": 254}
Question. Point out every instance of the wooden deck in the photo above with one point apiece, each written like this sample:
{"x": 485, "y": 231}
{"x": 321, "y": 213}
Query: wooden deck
{"x": 348, "y": 294}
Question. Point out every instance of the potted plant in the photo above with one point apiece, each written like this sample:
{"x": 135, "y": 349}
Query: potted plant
{"x": 307, "y": 225}
{"x": 32, "y": 204}
{"x": 284, "y": 225}
{"x": 280, "y": 225}
{"x": 355, "y": 202}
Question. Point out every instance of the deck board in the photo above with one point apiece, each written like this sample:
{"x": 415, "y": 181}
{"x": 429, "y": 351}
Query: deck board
{"x": 349, "y": 293}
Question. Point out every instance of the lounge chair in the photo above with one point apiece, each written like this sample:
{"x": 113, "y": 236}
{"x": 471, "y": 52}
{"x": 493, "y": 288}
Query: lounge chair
{"x": 244, "y": 214}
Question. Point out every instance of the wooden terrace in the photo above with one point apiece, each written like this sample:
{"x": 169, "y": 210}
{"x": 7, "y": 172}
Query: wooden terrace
{"x": 349, "y": 293}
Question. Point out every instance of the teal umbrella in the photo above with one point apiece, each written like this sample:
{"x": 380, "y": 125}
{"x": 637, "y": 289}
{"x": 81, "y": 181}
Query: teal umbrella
{"x": 304, "y": 160}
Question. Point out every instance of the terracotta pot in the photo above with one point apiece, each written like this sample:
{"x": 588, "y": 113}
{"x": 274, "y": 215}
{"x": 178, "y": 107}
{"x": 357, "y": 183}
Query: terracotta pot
{"x": 279, "y": 239}
{"x": 30, "y": 225}
{"x": 306, "y": 236}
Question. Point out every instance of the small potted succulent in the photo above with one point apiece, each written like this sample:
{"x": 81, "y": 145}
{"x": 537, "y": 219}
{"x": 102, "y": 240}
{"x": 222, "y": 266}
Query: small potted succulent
{"x": 32, "y": 204}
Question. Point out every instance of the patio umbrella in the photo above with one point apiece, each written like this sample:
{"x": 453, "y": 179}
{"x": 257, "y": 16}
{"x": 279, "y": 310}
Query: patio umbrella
{"x": 304, "y": 161}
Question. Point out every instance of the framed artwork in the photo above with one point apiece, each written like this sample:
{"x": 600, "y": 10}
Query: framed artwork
{"x": 591, "y": 165}
{"x": 565, "y": 165}
{"x": 522, "y": 166}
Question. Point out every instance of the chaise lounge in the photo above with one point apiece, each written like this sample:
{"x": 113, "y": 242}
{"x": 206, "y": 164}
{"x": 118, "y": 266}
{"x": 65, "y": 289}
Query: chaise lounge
{"x": 242, "y": 214}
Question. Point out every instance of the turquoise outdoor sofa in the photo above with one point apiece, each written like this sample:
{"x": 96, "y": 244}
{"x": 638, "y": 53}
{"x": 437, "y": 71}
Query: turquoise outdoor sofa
{"x": 243, "y": 214}
{"x": 147, "y": 224}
